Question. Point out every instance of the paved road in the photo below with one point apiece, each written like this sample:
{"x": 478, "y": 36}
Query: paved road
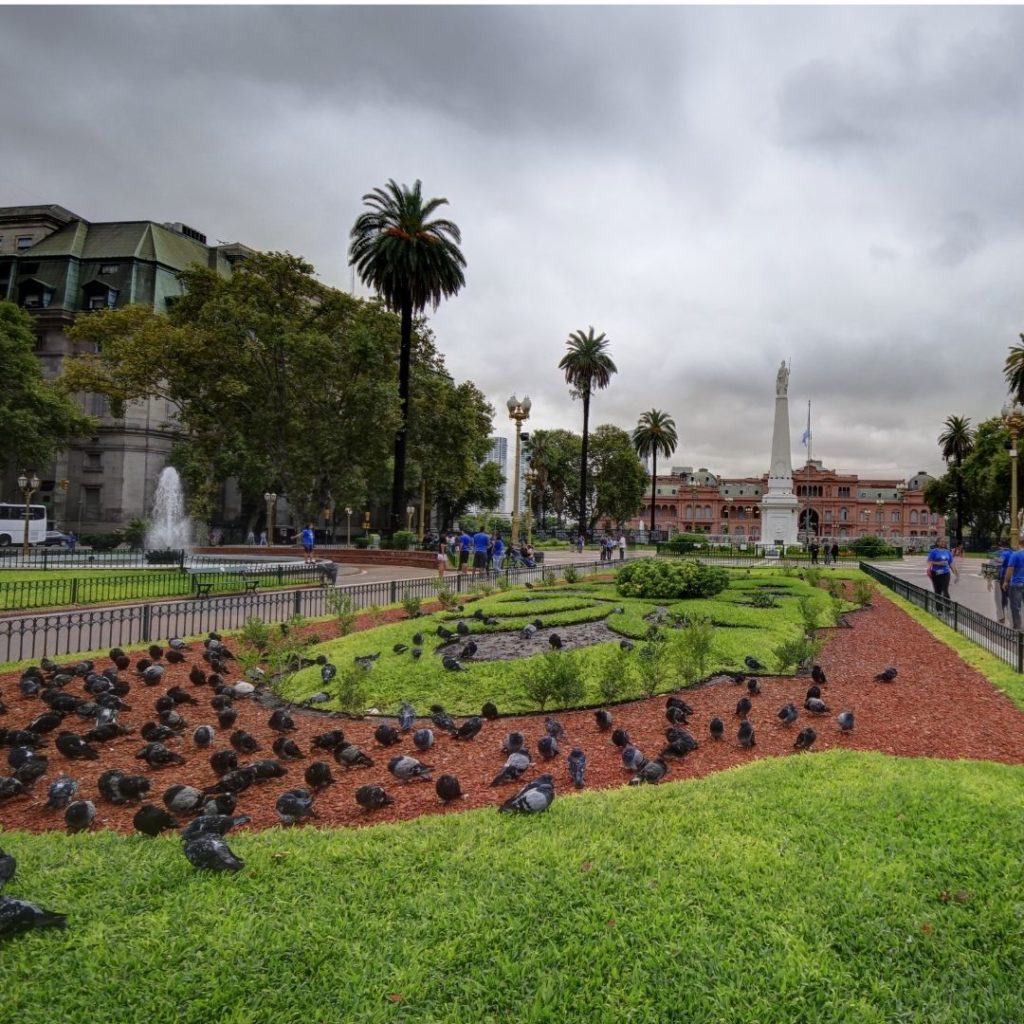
{"x": 972, "y": 591}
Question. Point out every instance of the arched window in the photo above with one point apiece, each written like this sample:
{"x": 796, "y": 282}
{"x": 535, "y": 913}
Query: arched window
{"x": 843, "y": 516}
{"x": 740, "y": 532}
{"x": 913, "y": 515}
{"x": 707, "y": 512}
{"x": 688, "y": 512}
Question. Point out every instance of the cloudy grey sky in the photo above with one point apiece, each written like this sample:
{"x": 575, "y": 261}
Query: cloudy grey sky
{"x": 714, "y": 188}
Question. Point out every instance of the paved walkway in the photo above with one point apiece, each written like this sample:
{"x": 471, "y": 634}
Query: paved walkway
{"x": 972, "y": 591}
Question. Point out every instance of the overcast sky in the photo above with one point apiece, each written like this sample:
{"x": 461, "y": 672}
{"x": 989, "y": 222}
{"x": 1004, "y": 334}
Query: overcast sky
{"x": 714, "y": 188}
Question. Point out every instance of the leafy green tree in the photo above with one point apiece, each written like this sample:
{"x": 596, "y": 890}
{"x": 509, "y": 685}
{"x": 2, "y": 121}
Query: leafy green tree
{"x": 655, "y": 435}
{"x": 37, "y": 416}
{"x": 555, "y": 456}
{"x": 587, "y": 366}
{"x": 411, "y": 261}
{"x": 956, "y": 442}
{"x": 618, "y": 478}
{"x": 1013, "y": 370}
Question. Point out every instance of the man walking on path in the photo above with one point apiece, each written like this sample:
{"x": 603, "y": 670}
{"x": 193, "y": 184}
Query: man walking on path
{"x": 481, "y": 542}
{"x": 464, "y": 545}
{"x": 308, "y": 539}
{"x": 1013, "y": 584}
{"x": 622, "y": 547}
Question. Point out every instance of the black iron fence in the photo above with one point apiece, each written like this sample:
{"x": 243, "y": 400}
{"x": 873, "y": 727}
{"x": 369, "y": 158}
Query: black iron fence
{"x": 56, "y": 634}
{"x": 129, "y": 558}
{"x": 1005, "y": 642}
{"x": 18, "y": 595}
{"x": 723, "y": 555}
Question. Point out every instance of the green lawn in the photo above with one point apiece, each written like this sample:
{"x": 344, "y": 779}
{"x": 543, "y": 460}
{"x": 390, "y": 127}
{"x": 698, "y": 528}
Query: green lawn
{"x": 837, "y": 887}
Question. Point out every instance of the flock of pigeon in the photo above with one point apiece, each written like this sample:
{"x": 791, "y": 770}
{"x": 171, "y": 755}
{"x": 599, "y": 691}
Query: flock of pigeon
{"x": 80, "y": 708}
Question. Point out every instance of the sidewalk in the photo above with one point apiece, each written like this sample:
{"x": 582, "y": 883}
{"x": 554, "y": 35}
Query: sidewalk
{"x": 972, "y": 591}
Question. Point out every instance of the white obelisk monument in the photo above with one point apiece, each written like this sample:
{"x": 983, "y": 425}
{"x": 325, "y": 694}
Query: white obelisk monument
{"x": 779, "y": 524}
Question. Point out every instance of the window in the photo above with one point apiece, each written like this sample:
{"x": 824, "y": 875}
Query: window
{"x": 828, "y": 515}
{"x": 843, "y": 516}
{"x": 24, "y": 242}
{"x": 91, "y": 502}
{"x": 93, "y": 462}
{"x": 896, "y": 516}
{"x": 864, "y": 515}
{"x": 913, "y": 515}
{"x": 844, "y": 492}
{"x": 108, "y": 268}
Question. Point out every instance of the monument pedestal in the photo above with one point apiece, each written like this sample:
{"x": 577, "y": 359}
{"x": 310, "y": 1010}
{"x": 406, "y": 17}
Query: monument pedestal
{"x": 779, "y": 519}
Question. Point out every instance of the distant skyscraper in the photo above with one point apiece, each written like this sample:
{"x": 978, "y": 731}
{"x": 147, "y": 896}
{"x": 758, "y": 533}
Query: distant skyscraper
{"x": 498, "y": 454}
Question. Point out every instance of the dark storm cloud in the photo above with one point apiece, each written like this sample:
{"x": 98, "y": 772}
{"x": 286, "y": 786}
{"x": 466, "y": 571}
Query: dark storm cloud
{"x": 715, "y": 188}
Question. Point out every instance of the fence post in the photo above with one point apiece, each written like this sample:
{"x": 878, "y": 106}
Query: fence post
{"x": 74, "y": 590}
{"x": 956, "y": 617}
{"x": 1020, "y": 651}
{"x": 280, "y": 576}
{"x": 393, "y": 592}
{"x": 298, "y": 602}
{"x": 145, "y": 622}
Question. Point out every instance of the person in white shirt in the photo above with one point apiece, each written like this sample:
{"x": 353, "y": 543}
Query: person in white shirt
{"x": 622, "y": 547}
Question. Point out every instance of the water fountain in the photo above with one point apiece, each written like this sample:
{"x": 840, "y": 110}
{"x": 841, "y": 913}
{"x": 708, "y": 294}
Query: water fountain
{"x": 171, "y": 529}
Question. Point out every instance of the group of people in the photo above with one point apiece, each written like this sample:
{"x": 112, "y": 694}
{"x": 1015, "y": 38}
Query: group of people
{"x": 478, "y": 552}
{"x": 831, "y": 553}
{"x": 609, "y": 546}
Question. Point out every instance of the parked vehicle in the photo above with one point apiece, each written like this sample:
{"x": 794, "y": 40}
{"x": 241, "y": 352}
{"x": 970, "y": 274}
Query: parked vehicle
{"x": 12, "y": 524}
{"x": 55, "y": 539}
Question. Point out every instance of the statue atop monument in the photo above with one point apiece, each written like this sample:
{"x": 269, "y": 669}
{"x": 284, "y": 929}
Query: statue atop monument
{"x": 782, "y": 381}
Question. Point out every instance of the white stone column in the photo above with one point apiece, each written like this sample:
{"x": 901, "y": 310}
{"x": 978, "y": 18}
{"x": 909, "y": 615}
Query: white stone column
{"x": 779, "y": 506}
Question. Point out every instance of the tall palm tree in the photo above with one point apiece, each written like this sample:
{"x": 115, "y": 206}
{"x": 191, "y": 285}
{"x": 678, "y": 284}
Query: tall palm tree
{"x": 1013, "y": 370}
{"x": 411, "y": 261}
{"x": 957, "y": 442}
{"x": 587, "y": 366}
{"x": 655, "y": 434}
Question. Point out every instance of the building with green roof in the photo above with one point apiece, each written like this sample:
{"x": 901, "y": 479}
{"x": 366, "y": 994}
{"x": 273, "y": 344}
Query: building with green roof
{"x": 57, "y": 265}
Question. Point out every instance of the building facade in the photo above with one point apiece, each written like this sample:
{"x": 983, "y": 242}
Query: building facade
{"x": 832, "y": 506}
{"x": 58, "y": 266}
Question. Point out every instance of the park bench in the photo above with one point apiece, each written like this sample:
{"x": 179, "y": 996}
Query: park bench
{"x": 250, "y": 586}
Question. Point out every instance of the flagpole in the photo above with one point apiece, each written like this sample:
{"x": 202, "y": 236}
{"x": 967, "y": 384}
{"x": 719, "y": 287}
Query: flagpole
{"x": 810, "y": 436}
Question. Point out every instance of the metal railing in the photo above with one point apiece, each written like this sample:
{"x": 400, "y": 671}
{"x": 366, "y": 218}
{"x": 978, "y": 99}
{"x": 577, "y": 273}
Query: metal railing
{"x": 1005, "y": 642}
{"x": 56, "y": 634}
{"x": 131, "y": 558}
{"x": 750, "y": 557}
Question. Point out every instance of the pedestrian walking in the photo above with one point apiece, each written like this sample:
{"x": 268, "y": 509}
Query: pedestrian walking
{"x": 1013, "y": 584}
{"x": 442, "y": 556}
{"x": 942, "y": 568}
{"x": 835, "y": 554}
{"x": 1002, "y": 597}
{"x": 308, "y": 539}
{"x": 622, "y": 547}
{"x": 250, "y": 538}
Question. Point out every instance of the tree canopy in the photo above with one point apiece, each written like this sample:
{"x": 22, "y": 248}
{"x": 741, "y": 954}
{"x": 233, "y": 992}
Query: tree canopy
{"x": 38, "y": 417}
{"x": 655, "y": 435}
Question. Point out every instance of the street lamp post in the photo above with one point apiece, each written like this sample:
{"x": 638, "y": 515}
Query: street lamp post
{"x": 271, "y": 499}
{"x": 901, "y": 496}
{"x": 348, "y": 524}
{"x": 518, "y": 411}
{"x": 531, "y": 480}
{"x": 28, "y": 487}
{"x": 880, "y": 516}
{"x": 1013, "y": 417}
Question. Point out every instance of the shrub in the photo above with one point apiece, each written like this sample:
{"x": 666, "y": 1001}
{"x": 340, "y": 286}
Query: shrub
{"x": 361, "y": 542}
{"x": 811, "y": 610}
{"x": 835, "y": 588}
{"x": 403, "y": 540}
{"x": 661, "y": 580}
{"x": 616, "y": 676}
{"x": 548, "y": 577}
{"x": 792, "y": 653}
{"x": 256, "y": 633}
{"x": 570, "y": 575}
{"x": 872, "y": 547}
{"x": 375, "y": 614}
{"x": 411, "y": 604}
{"x": 352, "y": 689}
{"x": 812, "y": 574}
{"x": 445, "y": 596}
{"x": 503, "y": 583}
{"x": 343, "y": 608}
{"x": 763, "y": 599}
{"x": 652, "y": 667}
{"x": 683, "y": 543}
{"x": 555, "y": 676}
{"x": 693, "y": 647}
{"x": 862, "y": 593}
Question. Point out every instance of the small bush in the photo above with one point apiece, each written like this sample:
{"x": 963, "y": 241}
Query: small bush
{"x": 402, "y": 540}
{"x": 256, "y": 633}
{"x": 503, "y": 583}
{"x": 812, "y": 574}
{"x": 548, "y": 577}
{"x": 352, "y": 690}
{"x": 343, "y": 608}
{"x": 375, "y": 614}
{"x": 570, "y": 575}
{"x": 835, "y": 588}
{"x": 411, "y": 604}
{"x": 556, "y": 676}
{"x": 872, "y": 547}
{"x": 811, "y": 610}
{"x": 693, "y": 646}
{"x": 445, "y": 596}
{"x": 660, "y": 580}
{"x": 763, "y": 599}
{"x": 793, "y": 653}
{"x": 862, "y": 593}
{"x": 615, "y": 679}
{"x": 683, "y": 543}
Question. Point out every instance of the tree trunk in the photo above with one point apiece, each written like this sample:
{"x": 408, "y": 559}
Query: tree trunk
{"x": 583, "y": 463}
{"x": 654, "y": 484}
{"x": 397, "y": 521}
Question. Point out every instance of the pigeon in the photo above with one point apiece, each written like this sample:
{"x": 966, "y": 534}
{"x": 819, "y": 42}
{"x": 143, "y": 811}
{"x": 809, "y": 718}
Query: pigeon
{"x": 528, "y": 632}
{"x": 153, "y": 675}
{"x": 350, "y": 756}
{"x": 513, "y": 741}
{"x": 603, "y": 718}
{"x": 34, "y": 767}
{"x": 417, "y": 639}
{"x": 177, "y": 644}
{"x": 61, "y": 792}
{"x": 818, "y": 675}
{"x": 318, "y": 775}
{"x": 156, "y": 652}
{"x": 469, "y": 649}
{"x": 46, "y": 722}
{"x": 17, "y": 756}
{"x": 533, "y": 798}
{"x": 183, "y": 799}
{"x": 387, "y": 735}
{"x": 753, "y": 664}
{"x": 652, "y": 772}
{"x": 746, "y": 735}
{"x": 109, "y": 785}
{"x": 133, "y": 787}
{"x": 18, "y": 916}
{"x": 327, "y": 672}
{"x": 547, "y": 747}
{"x": 443, "y": 633}
{"x": 677, "y": 716}
{"x": 196, "y": 676}
{"x": 223, "y": 761}
{"x": 366, "y": 660}
{"x": 555, "y": 642}
{"x": 887, "y": 675}
{"x": 448, "y": 789}
{"x": 400, "y": 648}
{"x": 372, "y": 798}
{"x": 10, "y": 787}
{"x": 151, "y": 820}
{"x": 620, "y": 738}
{"x": 679, "y": 704}
{"x": 489, "y": 712}
{"x": 244, "y": 742}
{"x": 180, "y": 696}
{"x": 813, "y": 691}
{"x": 153, "y": 733}
{"x": 329, "y": 740}
{"x": 442, "y": 719}
{"x": 408, "y": 768}
{"x": 743, "y": 706}
{"x": 788, "y": 714}
{"x": 222, "y": 803}
{"x": 210, "y": 853}
{"x": 243, "y": 689}
{"x": 287, "y": 748}
{"x": 845, "y": 720}
{"x": 22, "y": 738}
{"x": 293, "y": 805}
{"x": 174, "y": 657}
{"x": 268, "y": 769}
{"x": 213, "y": 825}
{"x": 805, "y": 737}
{"x": 417, "y": 653}
{"x": 406, "y": 717}
{"x": 227, "y": 717}
{"x": 554, "y": 728}
{"x": 680, "y": 744}
{"x": 632, "y": 759}
{"x": 816, "y": 706}
{"x": 461, "y": 628}
{"x": 203, "y": 735}
{"x": 452, "y": 664}
{"x": 469, "y": 728}
{"x": 107, "y": 732}
{"x": 577, "y": 765}
{"x": 626, "y": 645}
{"x": 281, "y": 721}
{"x": 78, "y": 816}
{"x": 717, "y": 728}
{"x": 515, "y": 766}
{"x": 74, "y": 747}
{"x": 753, "y": 687}
{"x": 156, "y": 755}
{"x": 423, "y": 739}
{"x": 8, "y": 865}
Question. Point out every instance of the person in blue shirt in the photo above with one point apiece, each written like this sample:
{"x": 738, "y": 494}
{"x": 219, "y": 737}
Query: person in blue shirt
{"x": 1013, "y": 584}
{"x": 1002, "y": 595}
{"x": 481, "y": 542}
{"x": 941, "y": 567}
{"x": 497, "y": 552}
{"x": 464, "y": 545}
{"x": 307, "y": 542}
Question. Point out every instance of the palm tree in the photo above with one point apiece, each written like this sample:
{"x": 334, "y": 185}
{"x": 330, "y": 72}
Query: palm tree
{"x": 410, "y": 260}
{"x": 957, "y": 442}
{"x": 587, "y": 366}
{"x": 1013, "y": 370}
{"x": 655, "y": 434}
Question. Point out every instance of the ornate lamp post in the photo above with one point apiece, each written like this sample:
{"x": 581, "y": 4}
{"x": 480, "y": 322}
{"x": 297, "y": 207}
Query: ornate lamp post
{"x": 531, "y": 481}
{"x": 271, "y": 499}
{"x": 348, "y": 516}
{"x": 1013, "y": 417}
{"x": 28, "y": 487}
{"x": 518, "y": 411}
{"x": 901, "y": 496}
{"x": 880, "y": 515}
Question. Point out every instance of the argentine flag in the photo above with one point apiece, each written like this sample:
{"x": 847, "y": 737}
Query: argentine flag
{"x": 805, "y": 440}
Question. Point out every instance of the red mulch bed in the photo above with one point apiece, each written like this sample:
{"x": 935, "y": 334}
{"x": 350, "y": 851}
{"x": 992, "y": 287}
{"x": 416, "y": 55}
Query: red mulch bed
{"x": 938, "y": 707}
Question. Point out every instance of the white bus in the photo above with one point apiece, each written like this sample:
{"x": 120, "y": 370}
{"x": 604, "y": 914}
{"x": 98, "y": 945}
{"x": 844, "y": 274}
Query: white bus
{"x": 12, "y": 524}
